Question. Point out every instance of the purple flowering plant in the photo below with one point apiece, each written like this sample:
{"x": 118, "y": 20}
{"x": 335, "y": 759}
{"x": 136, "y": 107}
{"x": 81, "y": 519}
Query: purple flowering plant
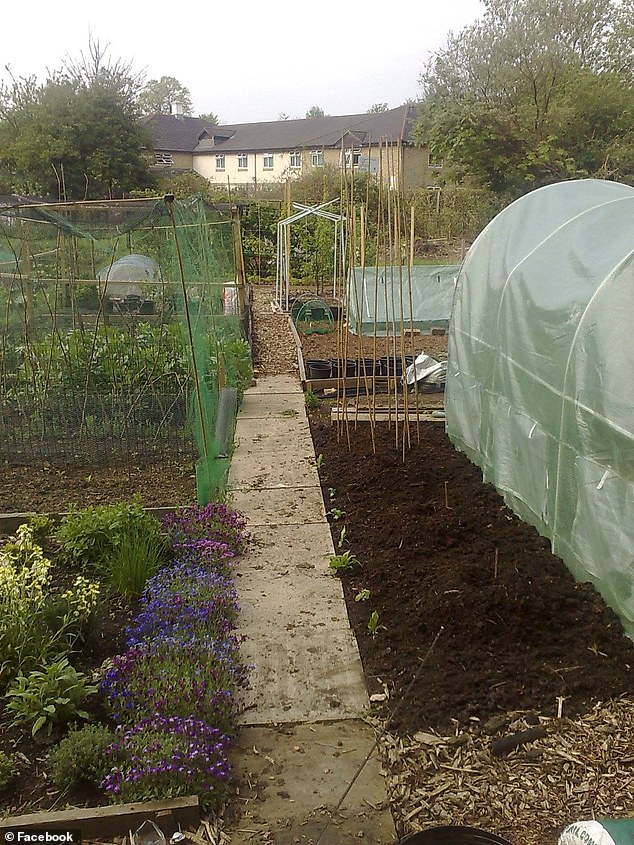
{"x": 214, "y": 522}
{"x": 173, "y": 690}
{"x": 169, "y": 757}
{"x": 186, "y": 598}
{"x": 177, "y": 676}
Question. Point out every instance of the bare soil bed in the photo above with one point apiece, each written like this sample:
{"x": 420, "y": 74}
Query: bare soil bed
{"x": 440, "y": 550}
{"x": 50, "y": 488}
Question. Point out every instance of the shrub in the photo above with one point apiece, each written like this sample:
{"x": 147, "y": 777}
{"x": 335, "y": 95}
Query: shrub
{"x": 81, "y": 757}
{"x": 8, "y": 770}
{"x": 51, "y": 696}
{"x": 170, "y": 757}
{"x": 92, "y": 535}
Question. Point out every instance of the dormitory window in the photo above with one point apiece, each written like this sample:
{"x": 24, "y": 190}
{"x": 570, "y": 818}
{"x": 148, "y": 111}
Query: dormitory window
{"x": 220, "y": 162}
{"x": 243, "y": 162}
{"x": 268, "y": 161}
{"x": 317, "y": 158}
{"x": 296, "y": 160}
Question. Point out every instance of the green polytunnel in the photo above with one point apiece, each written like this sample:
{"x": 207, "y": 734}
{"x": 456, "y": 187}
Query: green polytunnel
{"x": 539, "y": 391}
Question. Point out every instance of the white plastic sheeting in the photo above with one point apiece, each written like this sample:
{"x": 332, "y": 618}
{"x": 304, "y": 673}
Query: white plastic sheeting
{"x": 540, "y": 391}
{"x": 382, "y": 299}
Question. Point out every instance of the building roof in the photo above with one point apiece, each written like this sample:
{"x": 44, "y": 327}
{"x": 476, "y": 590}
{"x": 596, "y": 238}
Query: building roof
{"x": 178, "y": 134}
{"x": 190, "y": 134}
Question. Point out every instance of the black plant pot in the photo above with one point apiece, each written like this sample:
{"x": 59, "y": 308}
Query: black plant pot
{"x": 318, "y": 369}
{"x": 453, "y": 835}
{"x": 340, "y": 369}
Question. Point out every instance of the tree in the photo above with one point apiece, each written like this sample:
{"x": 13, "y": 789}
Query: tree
{"x": 77, "y": 135}
{"x": 377, "y": 108}
{"x": 533, "y": 92}
{"x": 315, "y": 111}
{"x": 159, "y": 94}
{"x": 210, "y": 118}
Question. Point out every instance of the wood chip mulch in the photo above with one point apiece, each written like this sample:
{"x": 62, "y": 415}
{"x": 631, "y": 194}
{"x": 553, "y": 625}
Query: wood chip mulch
{"x": 581, "y": 769}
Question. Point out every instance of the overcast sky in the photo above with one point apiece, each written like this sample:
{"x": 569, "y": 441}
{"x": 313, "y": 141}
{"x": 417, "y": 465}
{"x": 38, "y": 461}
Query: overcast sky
{"x": 248, "y": 61}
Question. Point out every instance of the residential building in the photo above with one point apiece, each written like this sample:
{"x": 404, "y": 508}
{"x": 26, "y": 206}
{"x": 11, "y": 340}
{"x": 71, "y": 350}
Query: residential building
{"x": 256, "y": 154}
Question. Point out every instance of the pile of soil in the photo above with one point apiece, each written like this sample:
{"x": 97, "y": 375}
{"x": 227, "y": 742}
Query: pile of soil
{"x": 439, "y": 551}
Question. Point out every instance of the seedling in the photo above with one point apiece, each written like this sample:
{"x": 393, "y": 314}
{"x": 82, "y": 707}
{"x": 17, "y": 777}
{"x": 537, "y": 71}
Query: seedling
{"x": 342, "y": 562}
{"x": 331, "y": 493}
{"x": 343, "y": 537}
{"x": 336, "y": 513}
{"x": 310, "y": 400}
{"x": 373, "y": 624}
{"x": 319, "y": 461}
{"x": 362, "y": 595}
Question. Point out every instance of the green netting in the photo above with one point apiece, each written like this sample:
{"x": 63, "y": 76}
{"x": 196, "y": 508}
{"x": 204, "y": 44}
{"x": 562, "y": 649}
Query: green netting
{"x": 380, "y": 300}
{"x": 121, "y": 335}
{"x": 539, "y": 389}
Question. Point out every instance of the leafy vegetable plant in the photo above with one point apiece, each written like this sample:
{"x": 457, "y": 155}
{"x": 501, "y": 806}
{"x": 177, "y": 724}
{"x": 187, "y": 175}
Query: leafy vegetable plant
{"x": 48, "y": 697}
{"x": 374, "y": 627}
{"x": 342, "y": 562}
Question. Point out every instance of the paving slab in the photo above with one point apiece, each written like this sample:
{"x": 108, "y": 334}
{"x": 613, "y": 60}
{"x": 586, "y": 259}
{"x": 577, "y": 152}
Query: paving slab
{"x": 293, "y": 467}
{"x": 291, "y": 778}
{"x": 275, "y": 384}
{"x": 266, "y": 434}
{"x": 263, "y": 405}
{"x": 305, "y": 673}
{"x": 280, "y": 506}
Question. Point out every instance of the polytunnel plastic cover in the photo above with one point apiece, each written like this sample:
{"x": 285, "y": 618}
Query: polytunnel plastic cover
{"x": 539, "y": 389}
{"x": 384, "y": 299}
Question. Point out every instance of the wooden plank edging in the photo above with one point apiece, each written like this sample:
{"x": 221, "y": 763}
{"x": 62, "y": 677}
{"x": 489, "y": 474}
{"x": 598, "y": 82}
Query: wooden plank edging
{"x": 113, "y": 820}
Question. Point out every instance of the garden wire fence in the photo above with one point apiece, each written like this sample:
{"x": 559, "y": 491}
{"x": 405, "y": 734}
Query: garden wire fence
{"x": 122, "y": 334}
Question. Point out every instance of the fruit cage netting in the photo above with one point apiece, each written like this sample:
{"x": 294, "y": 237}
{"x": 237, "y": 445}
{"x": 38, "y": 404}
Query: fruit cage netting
{"x": 123, "y": 334}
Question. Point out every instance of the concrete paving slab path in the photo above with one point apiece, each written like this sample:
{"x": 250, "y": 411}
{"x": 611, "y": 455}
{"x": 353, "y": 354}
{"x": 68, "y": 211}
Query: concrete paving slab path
{"x": 303, "y": 738}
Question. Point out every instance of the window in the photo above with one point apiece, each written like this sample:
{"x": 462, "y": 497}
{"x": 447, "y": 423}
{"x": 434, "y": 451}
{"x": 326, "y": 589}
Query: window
{"x": 353, "y": 157}
{"x": 317, "y": 158}
{"x": 435, "y": 163}
{"x": 243, "y": 161}
{"x": 296, "y": 160}
{"x": 268, "y": 161}
{"x": 164, "y": 159}
{"x": 220, "y": 162}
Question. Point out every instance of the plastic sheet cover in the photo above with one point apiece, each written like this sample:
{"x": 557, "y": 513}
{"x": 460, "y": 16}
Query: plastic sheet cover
{"x": 382, "y": 299}
{"x": 539, "y": 385}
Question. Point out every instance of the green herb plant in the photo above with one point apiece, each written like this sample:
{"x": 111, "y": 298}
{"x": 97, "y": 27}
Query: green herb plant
{"x": 336, "y": 514}
{"x": 331, "y": 493}
{"x": 8, "y": 770}
{"x": 90, "y": 536}
{"x": 133, "y": 562}
{"x": 37, "y": 627}
{"x": 48, "y": 697}
{"x": 362, "y": 595}
{"x": 319, "y": 461}
{"x": 310, "y": 400}
{"x": 81, "y": 756}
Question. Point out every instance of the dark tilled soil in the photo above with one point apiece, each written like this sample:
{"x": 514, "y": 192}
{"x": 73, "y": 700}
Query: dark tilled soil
{"x": 440, "y": 551}
{"x": 51, "y": 488}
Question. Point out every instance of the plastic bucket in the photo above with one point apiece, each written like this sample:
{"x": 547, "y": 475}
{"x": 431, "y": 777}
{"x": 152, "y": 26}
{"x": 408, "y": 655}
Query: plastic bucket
{"x": 453, "y": 835}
